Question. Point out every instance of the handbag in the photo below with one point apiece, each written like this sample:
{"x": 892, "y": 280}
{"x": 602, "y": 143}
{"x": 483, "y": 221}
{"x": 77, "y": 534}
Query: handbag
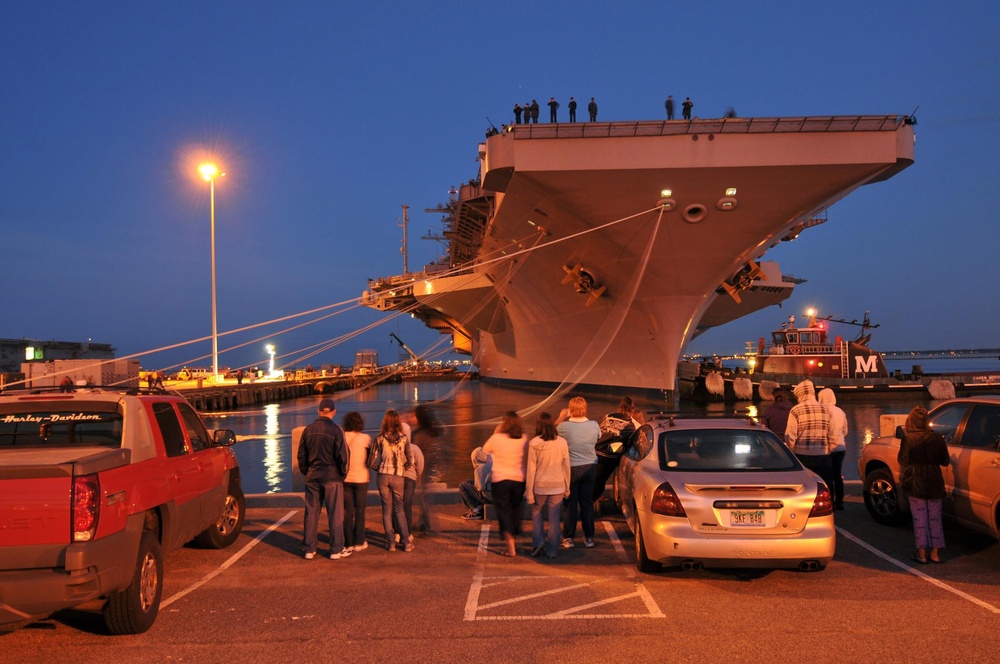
{"x": 373, "y": 458}
{"x": 610, "y": 446}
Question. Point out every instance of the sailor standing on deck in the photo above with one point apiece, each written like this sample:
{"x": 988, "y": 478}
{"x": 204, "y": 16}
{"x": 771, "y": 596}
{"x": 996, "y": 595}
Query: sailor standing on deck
{"x": 572, "y": 110}
{"x": 534, "y": 111}
{"x": 553, "y": 105}
{"x": 592, "y": 109}
{"x": 517, "y": 113}
{"x": 670, "y": 107}
{"x": 686, "y": 108}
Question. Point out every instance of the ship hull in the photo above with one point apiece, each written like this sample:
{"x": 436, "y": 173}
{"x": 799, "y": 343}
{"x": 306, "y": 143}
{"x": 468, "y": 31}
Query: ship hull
{"x": 605, "y": 248}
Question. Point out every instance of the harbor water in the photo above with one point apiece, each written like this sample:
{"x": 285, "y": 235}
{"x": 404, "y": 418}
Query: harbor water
{"x": 468, "y": 412}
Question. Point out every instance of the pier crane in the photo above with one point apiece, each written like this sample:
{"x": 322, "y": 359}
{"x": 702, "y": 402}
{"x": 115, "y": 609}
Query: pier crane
{"x": 413, "y": 356}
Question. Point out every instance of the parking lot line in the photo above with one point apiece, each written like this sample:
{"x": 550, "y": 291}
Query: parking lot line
{"x": 226, "y": 565}
{"x": 482, "y": 582}
{"x": 917, "y": 573}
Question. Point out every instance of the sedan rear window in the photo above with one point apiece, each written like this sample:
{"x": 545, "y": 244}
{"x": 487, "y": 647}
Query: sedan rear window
{"x": 721, "y": 450}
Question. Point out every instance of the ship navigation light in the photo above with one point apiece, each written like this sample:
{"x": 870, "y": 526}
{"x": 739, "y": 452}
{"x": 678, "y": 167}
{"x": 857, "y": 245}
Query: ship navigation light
{"x": 666, "y": 193}
{"x": 731, "y": 191}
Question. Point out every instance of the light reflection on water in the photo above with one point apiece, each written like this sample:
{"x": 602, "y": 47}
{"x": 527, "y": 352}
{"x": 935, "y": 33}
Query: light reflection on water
{"x": 469, "y": 411}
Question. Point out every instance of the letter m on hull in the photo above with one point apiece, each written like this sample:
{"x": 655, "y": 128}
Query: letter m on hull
{"x": 866, "y": 365}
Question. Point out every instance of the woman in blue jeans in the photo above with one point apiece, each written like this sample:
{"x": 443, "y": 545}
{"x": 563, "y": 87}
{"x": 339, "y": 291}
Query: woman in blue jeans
{"x": 395, "y": 459}
{"x": 581, "y": 434}
{"x": 547, "y": 484}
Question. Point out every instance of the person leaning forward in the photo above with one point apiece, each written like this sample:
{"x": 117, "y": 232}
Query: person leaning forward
{"x": 324, "y": 459}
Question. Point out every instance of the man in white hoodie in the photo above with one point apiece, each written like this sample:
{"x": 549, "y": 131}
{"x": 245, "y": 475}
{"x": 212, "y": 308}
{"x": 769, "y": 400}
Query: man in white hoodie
{"x": 808, "y": 432}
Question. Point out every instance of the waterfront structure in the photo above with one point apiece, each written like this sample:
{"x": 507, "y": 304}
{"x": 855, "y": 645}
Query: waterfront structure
{"x": 15, "y": 351}
{"x": 591, "y": 254}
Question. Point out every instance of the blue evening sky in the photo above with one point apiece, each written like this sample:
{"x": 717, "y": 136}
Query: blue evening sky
{"x": 329, "y": 116}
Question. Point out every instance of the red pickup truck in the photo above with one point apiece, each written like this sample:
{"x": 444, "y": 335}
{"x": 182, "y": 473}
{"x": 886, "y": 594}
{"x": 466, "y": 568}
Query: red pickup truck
{"x": 96, "y": 486}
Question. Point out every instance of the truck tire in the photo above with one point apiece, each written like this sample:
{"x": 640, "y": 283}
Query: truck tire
{"x": 133, "y": 610}
{"x": 229, "y": 524}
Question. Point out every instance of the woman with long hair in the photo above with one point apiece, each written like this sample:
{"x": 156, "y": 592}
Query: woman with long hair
{"x": 508, "y": 445}
{"x": 922, "y": 453}
{"x": 395, "y": 458}
{"x": 356, "y": 482}
{"x": 546, "y": 485}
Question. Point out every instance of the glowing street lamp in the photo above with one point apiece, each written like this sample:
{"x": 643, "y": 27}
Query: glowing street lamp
{"x": 270, "y": 366}
{"x": 208, "y": 173}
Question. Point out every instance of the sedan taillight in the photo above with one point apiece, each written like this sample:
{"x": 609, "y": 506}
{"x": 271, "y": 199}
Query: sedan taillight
{"x": 86, "y": 507}
{"x": 666, "y": 502}
{"x": 823, "y": 505}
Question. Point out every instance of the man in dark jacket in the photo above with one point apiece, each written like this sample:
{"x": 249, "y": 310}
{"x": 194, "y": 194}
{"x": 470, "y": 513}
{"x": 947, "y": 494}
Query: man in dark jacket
{"x": 324, "y": 458}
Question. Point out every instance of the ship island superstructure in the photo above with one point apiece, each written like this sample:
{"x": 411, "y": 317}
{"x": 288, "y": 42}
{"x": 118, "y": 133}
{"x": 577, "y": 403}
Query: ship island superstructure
{"x": 590, "y": 254}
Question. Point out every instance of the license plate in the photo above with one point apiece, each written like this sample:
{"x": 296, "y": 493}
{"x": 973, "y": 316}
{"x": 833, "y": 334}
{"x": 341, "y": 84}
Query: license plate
{"x": 746, "y": 518}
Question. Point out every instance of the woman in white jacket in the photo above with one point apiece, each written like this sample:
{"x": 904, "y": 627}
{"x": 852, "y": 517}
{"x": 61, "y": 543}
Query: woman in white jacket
{"x": 547, "y": 484}
{"x": 838, "y": 447}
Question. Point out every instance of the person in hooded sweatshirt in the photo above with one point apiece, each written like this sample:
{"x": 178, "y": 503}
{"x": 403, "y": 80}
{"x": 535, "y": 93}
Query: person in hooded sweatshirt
{"x": 776, "y": 415}
{"x": 547, "y": 484}
{"x": 808, "y": 432}
{"x": 838, "y": 431}
{"x": 922, "y": 453}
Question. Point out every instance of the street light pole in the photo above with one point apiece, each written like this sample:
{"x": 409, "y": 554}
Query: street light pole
{"x": 208, "y": 172}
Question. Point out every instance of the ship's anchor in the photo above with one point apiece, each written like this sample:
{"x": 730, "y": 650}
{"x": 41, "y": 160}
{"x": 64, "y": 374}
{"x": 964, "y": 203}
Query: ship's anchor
{"x": 743, "y": 280}
{"x": 584, "y": 282}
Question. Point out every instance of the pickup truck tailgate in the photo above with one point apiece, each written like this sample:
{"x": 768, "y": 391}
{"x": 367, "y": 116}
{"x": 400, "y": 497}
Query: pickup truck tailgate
{"x": 36, "y": 488}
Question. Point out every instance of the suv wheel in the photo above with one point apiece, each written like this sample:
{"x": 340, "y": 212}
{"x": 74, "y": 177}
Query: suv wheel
{"x": 882, "y": 498}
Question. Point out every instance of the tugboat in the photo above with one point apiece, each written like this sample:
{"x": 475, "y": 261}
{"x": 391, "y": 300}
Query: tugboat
{"x": 797, "y": 353}
{"x": 808, "y": 352}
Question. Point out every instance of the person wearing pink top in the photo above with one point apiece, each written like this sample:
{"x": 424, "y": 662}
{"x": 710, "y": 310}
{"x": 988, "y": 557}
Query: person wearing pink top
{"x": 509, "y": 447}
{"x": 356, "y": 482}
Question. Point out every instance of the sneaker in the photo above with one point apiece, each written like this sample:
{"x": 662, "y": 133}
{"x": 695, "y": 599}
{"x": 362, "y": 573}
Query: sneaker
{"x": 391, "y": 547}
{"x": 360, "y": 547}
{"x": 589, "y": 543}
{"x": 537, "y": 551}
{"x": 472, "y": 515}
{"x": 397, "y": 538}
{"x": 310, "y": 555}
{"x": 342, "y": 554}
{"x": 349, "y": 549}
{"x": 567, "y": 543}
{"x": 408, "y": 548}
{"x": 409, "y": 540}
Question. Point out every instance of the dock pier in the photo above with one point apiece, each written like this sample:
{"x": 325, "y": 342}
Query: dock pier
{"x": 230, "y": 396}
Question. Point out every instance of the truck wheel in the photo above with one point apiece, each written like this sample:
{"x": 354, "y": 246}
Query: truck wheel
{"x": 133, "y": 610}
{"x": 230, "y": 523}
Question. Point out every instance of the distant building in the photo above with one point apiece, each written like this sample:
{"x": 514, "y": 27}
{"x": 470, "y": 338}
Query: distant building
{"x": 13, "y": 352}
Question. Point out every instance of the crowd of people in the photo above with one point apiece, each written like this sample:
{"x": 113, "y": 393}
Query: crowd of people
{"x": 815, "y": 429}
{"x": 337, "y": 464}
{"x": 530, "y": 111}
{"x": 561, "y": 471}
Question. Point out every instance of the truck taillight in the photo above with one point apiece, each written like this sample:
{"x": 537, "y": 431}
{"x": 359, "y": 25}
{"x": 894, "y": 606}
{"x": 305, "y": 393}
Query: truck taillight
{"x": 86, "y": 507}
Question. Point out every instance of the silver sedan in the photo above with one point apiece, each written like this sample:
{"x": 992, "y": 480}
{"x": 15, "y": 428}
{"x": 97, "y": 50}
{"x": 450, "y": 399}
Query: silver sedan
{"x": 722, "y": 493}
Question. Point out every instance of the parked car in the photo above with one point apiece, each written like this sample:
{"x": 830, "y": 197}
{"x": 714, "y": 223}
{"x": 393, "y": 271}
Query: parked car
{"x": 971, "y": 427}
{"x": 722, "y": 493}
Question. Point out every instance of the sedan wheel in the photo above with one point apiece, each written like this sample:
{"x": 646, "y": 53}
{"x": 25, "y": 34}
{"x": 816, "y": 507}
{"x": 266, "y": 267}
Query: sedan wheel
{"x": 642, "y": 561}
